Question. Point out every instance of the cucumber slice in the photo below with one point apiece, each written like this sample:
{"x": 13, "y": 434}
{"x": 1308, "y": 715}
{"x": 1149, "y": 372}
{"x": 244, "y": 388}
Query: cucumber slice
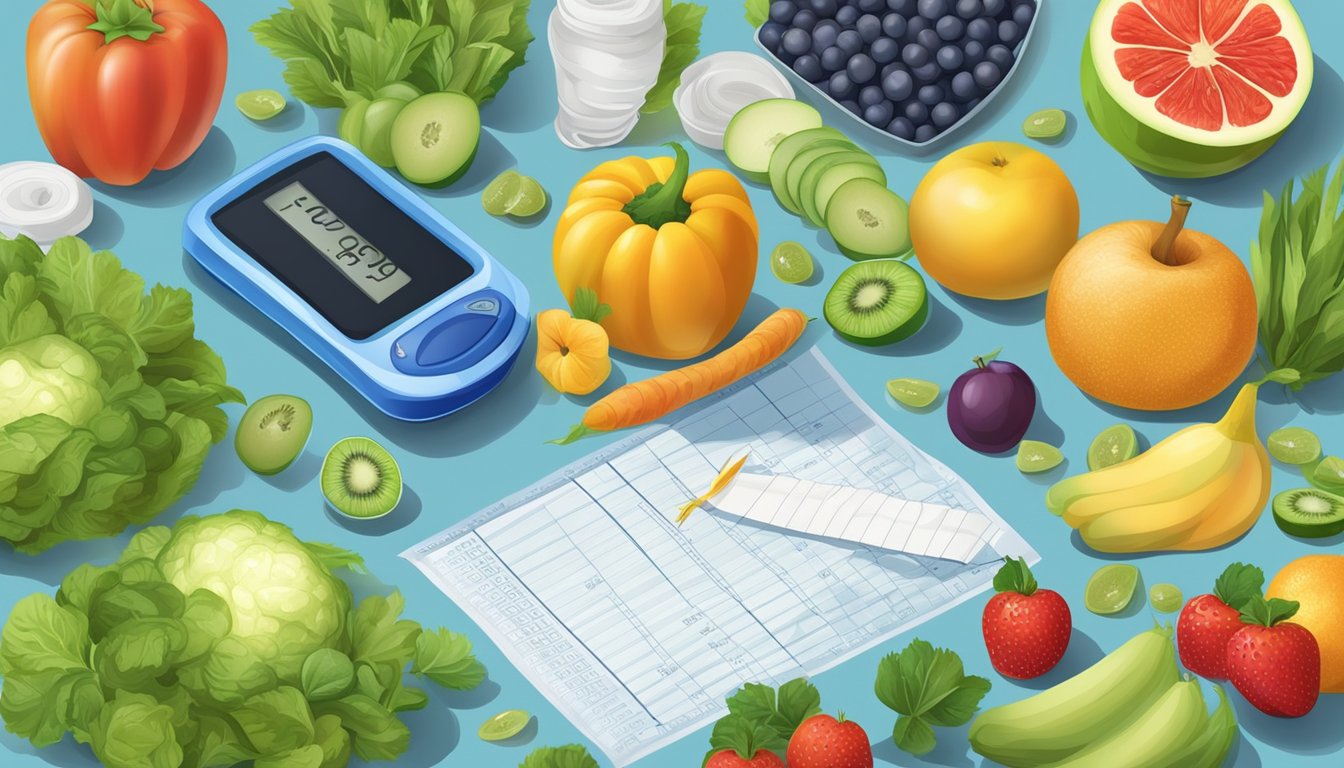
{"x": 435, "y": 137}
{"x": 756, "y": 129}
{"x": 793, "y": 177}
{"x": 784, "y": 154}
{"x": 807, "y": 187}
{"x": 835, "y": 177}
{"x": 868, "y": 221}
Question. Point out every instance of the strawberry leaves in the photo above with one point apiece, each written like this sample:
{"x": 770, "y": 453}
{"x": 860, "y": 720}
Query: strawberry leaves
{"x": 1267, "y": 613}
{"x": 1238, "y": 584}
{"x": 928, "y": 687}
{"x": 1015, "y": 576}
{"x": 761, "y": 718}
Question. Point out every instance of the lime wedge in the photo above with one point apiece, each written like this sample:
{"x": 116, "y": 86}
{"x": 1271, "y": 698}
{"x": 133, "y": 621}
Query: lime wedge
{"x": 529, "y": 201}
{"x": 1294, "y": 445}
{"x": 1166, "y": 598}
{"x": 1115, "y": 444}
{"x": 1046, "y": 124}
{"x": 1328, "y": 475}
{"x": 260, "y": 105}
{"x": 791, "y": 263}
{"x": 505, "y": 725}
{"x": 498, "y": 195}
{"x": 1110, "y": 589}
{"x": 1034, "y": 456}
{"x": 913, "y": 393}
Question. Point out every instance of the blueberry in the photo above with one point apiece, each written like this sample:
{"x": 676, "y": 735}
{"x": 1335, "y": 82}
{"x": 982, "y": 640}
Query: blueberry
{"x": 925, "y": 133}
{"x": 929, "y": 39}
{"x": 771, "y": 34}
{"x": 1023, "y": 14}
{"x": 869, "y": 27}
{"x": 944, "y": 115}
{"x": 982, "y": 30}
{"x": 905, "y": 7}
{"x": 950, "y": 28}
{"x": 914, "y": 25}
{"x": 870, "y": 95}
{"x": 987, "y": 75}
{"x": 1009, "y": 32}
{"x": 797, "y": 42}
{"x": 931, "y": 94}
{"x": 898, "y": 85}
{"x": 823, "y": 35}
{"x": 970, "y": 9}
{"x": 1000, "y": 55}
{"x": 973, "y": 52}
{"x": 964, "y": 87}
{"x": 849, "y": 42}
{"x": 853, "y": 106}
{"x": 927, "y": 73}
{"x": 808, "y": 67}
{"x": 915, "y": 55}
{"x": 916, "y": 112}
{"x": 887, "y": 71}
{"x": 949, "y": 58}
{"x": 871, "y": 6}
{"x": 884, "y": 50}
{"x": 933, "y": 9}
{"x": 972, "y": 104}
{"x": 893, "y": 26}
{"x": 840, "y": 86}
{"x": 994, "y": 7}
{"x": 879, "y": 114}
{"x": 781, "y": 11}
{"x": 804, "y": 20}
{"x": 833, "y": 59}
{"x": 861, "y": 68}
{"x": 823, "y": 8}
{"x": 847, "y": 15}
{"x": 901, "y": 128}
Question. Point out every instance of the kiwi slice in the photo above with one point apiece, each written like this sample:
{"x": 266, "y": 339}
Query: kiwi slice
{"x": 877, "y": 302}
{"x": 1309, "y": 513}
{"x": 361, "y": 479}
{"x": 273, "y": 433}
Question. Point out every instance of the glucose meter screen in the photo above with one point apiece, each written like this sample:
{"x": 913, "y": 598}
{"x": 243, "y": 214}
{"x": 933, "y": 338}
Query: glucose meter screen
{"x": 359, "y": 260}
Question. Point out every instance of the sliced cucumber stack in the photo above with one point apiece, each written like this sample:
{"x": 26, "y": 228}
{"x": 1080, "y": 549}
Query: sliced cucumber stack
{"x": 758, "y": 128}
{"x": 784, "y": 154}
{"x": 868, "y": 221}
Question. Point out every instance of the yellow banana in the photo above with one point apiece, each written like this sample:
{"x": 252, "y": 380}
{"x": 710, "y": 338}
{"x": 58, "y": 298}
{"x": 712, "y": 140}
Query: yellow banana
{"x": 1200, "y": 488}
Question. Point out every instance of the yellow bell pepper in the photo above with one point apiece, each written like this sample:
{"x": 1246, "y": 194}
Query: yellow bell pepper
{"x": 672, "y": 253}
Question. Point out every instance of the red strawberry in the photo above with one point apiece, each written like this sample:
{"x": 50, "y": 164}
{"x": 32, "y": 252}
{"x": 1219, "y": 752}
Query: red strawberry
{"x": 729, "y": 758}
{"x": 1208, "y": 622}
{"x": 824, "y": 742}
{"x": 1026, "y": 629}
{"x": 1275, "y": 665}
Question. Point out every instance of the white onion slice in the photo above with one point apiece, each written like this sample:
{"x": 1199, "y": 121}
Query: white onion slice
{"x": 43, "y": 201}
{"x": 717, "y": 86}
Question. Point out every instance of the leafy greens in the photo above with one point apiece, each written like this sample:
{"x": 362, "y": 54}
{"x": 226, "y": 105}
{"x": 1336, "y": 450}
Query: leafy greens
{"x": 568, "y": 756}
{"x": 338, "y": 52}
{"x": 927, "y": 686}
{"x": 758, "y": 12}
{"x": 1298, "y": 270}
{"x": 108, "y": 402}
{"x": 683, "y": 22}
{"x": 221, "y": 640}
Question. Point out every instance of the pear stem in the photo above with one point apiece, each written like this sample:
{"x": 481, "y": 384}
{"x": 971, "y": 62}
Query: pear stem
{"x": 1180, "y": 209}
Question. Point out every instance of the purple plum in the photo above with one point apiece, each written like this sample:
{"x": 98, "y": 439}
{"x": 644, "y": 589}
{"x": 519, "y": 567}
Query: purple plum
{"x": 991, "y": 405}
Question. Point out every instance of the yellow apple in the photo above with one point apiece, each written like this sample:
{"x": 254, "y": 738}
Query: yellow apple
{"x": 993, "y": 220}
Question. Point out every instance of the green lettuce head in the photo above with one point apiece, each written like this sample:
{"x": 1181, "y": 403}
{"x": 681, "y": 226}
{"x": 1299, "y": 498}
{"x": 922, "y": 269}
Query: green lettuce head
{"x": 108, "y": 402}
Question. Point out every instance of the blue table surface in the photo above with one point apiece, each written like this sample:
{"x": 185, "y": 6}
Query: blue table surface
{"x": 462, "y": 463}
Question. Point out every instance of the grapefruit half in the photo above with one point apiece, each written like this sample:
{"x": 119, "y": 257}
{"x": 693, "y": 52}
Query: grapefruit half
{"x": 1194, "y": 88}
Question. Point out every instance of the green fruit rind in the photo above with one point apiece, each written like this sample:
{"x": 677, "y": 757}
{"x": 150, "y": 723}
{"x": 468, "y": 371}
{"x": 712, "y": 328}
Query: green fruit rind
{"x": 1149, "y": 149}
{"x": 1169, "y": 725}
{"x": 1211, "y": 746}
{"x": 1065, "y": 719}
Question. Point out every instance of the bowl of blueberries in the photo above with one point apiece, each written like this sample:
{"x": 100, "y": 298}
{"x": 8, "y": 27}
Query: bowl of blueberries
{"x": 913, "y": 70}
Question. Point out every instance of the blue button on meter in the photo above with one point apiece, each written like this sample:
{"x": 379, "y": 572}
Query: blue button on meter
{"x": 382, "y": 288}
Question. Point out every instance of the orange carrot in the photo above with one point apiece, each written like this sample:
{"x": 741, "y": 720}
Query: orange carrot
{"x": 651, "y": 399}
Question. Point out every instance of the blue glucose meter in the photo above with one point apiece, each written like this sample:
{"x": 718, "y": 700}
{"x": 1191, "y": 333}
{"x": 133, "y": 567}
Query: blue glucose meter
{"x": 366, "y": 275}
